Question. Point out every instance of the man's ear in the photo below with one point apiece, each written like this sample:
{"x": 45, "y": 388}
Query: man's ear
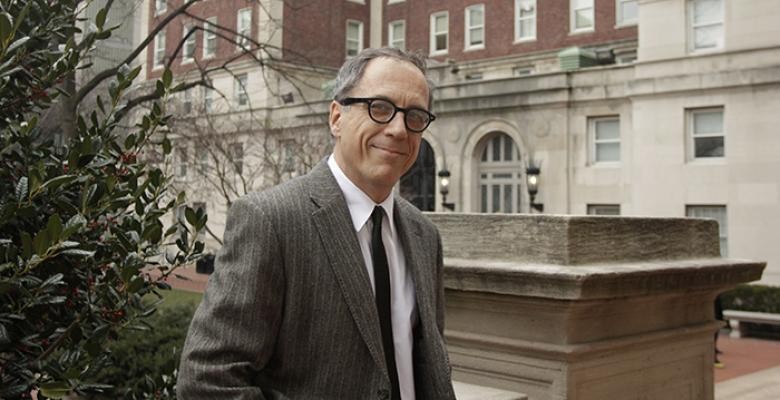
{"x": 335, "y": 118}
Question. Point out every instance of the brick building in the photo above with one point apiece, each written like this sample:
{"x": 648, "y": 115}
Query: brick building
{"x": 630, "y": 107}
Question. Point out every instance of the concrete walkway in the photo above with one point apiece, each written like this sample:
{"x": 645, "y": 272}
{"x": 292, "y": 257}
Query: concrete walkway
{"x": 751, "y": 372}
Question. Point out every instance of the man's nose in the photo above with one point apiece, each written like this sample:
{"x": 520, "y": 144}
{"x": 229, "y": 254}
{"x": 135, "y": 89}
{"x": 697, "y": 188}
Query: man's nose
{"x": 397, "y": 126}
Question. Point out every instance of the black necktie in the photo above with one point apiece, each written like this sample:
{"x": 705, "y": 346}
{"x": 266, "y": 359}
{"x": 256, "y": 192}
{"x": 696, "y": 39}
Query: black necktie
{"x": 382, "y": 290}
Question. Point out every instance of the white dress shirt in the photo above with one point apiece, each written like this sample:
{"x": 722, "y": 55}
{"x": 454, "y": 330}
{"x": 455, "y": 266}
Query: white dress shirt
{"x": 402, "y": 297}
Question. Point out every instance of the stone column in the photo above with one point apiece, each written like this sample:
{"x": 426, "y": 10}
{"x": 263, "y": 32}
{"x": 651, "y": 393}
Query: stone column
{"x": 581, "y": 307}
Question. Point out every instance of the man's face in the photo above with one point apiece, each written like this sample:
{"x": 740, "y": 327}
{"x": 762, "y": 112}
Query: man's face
{"x": 374, "y": 156}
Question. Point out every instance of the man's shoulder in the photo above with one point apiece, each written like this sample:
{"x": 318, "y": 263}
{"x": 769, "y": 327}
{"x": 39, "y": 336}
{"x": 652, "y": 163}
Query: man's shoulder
{"x": 410, "y": 212}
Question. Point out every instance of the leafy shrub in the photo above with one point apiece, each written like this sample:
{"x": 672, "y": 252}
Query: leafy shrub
{"x": 759, "y": 298}
{"x": 146, "y": 361}
{"x": 79, "y": 224}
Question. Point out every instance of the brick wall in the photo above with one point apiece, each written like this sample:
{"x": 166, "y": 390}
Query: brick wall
{"x": 552, "y": 27}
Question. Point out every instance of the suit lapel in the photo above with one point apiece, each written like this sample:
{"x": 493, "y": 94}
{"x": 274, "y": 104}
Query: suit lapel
{"x": 334, "y": 225}
{"x": 410, "y": 233}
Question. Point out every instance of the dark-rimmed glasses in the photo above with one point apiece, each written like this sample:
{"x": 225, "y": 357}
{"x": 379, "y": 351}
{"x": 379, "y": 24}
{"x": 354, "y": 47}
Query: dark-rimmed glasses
{"x": 382, "y": 111}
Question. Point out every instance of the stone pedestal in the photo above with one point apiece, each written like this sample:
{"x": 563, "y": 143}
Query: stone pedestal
{"x": 568, "y": 307}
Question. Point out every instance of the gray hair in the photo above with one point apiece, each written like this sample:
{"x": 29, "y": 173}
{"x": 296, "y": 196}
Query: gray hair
{"x": 352, "y": 71}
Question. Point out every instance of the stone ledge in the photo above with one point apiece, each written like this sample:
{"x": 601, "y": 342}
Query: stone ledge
{"x": 466, "y": 391}
{"x": 575, "y": 240}
{"x": 584, "y": 282}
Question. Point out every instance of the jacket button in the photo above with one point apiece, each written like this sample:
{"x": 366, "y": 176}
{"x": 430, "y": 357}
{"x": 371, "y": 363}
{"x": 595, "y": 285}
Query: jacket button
{"x": 383, "y": 394}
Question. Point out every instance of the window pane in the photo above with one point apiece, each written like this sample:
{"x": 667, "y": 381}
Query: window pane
{"x": 519, "y": 193}
{"x": 441, "y": 42}
{"x": 527, "y": 28}
{"x": 708, "y": 146}
{"x": 527, "y": 8}
{"x": 708, "y": 122}
{"x": 630, "y": 11}
{"x": 508, "y": 198}
{"x": 496, "y": 198}
{"x": 484, "y": 198}
{"x": 508, "y": 147}
{"x": 583, "y": 19}
{"x": 441, "y": 24}
{"x": 485, "y": 152}
{"x": 707, "y": 36}
{"x": 607, "y": 129}
{"x": 476, "y": 36}
{"x": 504, "y": 175}
{"x": 476, "y": 16}
{"x": 496, "y": 143}
{"x": 707, "y": 11}
{"x": 608, "y": 152}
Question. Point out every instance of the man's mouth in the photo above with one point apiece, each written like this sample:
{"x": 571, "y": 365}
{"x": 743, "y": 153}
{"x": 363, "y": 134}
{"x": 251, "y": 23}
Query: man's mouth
{"x": 392, "y": 151}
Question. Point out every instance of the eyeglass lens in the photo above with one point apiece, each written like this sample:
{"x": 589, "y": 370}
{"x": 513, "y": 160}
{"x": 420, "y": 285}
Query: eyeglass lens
{"x": 382, "y": 111}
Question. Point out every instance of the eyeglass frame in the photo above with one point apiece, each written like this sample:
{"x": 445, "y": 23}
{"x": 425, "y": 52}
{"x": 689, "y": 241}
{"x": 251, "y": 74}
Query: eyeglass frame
{"x": 347, "y": 101}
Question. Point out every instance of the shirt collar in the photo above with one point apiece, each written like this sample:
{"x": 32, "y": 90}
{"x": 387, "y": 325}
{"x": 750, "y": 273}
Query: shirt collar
{"x": 360, "y": 205}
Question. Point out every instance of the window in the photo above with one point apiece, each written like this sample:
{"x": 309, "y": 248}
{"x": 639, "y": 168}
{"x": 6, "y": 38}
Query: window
{"x": 581, "y": 15}
{"x": 236, "y": 153}
{"x": 706, "y": 133}
{"x": 500, "y": 176}
{"x": 396, "y": 35}
{"x": 604, "y": 134}
{"x": 522, "y": 71}
{"x": 439, "y": 33}
{"x": 239, "y": 90}
{"x": 475, "y": 27}
{"x": 159, "y": 49}
{"x": 188, "y": 52}
{"x": 181, "y": 162}
{"x": 208, "y": 99}
{"x": 603, "y": 209}
{"x": 627, "y": 12}
{"x": 718, "y": 213}
{"x": 354, "y": 38}
{"x": 187, "y": 102}
{"x": 705, "y": 20}
{"x": 244, "y": 28}
{"x": 525, "y": 17}
{"x": 202, "y": 159}
{"x": 210, "y": 38}
{"x": 160, "y": 6}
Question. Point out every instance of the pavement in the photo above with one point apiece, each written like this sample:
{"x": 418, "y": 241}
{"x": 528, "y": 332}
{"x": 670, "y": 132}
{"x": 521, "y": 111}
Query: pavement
{"x": 751, "y": 366}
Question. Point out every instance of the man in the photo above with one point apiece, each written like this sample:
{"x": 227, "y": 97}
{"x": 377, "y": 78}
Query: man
{"x": 328, "y": 286}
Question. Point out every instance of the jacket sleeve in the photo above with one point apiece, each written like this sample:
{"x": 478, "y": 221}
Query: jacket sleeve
{"x": 232, "y": 334}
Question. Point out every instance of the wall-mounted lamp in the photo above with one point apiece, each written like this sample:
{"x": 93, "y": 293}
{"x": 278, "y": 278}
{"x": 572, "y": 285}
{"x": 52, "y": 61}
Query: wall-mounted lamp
{"x": 444, "y": 189}
{"x": 532, "y": 176}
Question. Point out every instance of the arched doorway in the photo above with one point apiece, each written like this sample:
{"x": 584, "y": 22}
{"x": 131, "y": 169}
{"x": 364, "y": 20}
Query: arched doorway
{"x": 500, "y": 174}
{"x": 418, "y": 185}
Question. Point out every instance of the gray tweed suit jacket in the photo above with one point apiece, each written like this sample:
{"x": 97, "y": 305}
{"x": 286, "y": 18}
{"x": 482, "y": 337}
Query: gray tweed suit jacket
{"x": 289, "y": 312}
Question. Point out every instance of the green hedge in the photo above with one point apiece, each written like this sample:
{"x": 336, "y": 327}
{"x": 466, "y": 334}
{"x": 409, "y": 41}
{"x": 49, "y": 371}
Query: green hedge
{"x": 146, "y": 361}
{"x": 759, "y": 298}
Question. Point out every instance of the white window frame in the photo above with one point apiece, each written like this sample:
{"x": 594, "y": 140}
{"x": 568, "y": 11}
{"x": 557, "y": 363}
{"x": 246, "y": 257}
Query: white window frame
{"x": 182, "y": 159}
{"x": 692, "y": 26}
{"x": 519, "y": 19}
{"x": 395, "y": 1}
{"x": 573, "y": 16}
{"x": 700, "y": 211}
{"x": 500, "y": 174}
{"x": 243, "y": 32}
{"x": 603, "y": 209}
{"x": 236, "y": 154}
{"x": 209, "y": 36}
{"x": 160, "y": 7}
{"x": 392, "y": 27}
{"x": 434, "y": 33}
{"x": 692, "y": 135}
{"x": 595, "y": 142}
{"x": 190, "y": 43}
{"x": 470, "y": 26}
{"x": 208, "y": 99}
{"x": 355, "y": 41}
{"x": 620, "y": 20}
{"x": 159, "y": 50}
{"x": 240, "y": 90}
{"x": 187, "y": 101}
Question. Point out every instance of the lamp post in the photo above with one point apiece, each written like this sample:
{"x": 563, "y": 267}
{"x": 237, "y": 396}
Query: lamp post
{"x": 444, "y": 189}
{"x": 532, "y": 179}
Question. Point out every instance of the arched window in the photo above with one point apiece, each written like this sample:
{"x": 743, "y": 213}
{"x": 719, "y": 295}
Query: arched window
{"x": 500, "y": 184}
{"x": 418, "y": 185}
